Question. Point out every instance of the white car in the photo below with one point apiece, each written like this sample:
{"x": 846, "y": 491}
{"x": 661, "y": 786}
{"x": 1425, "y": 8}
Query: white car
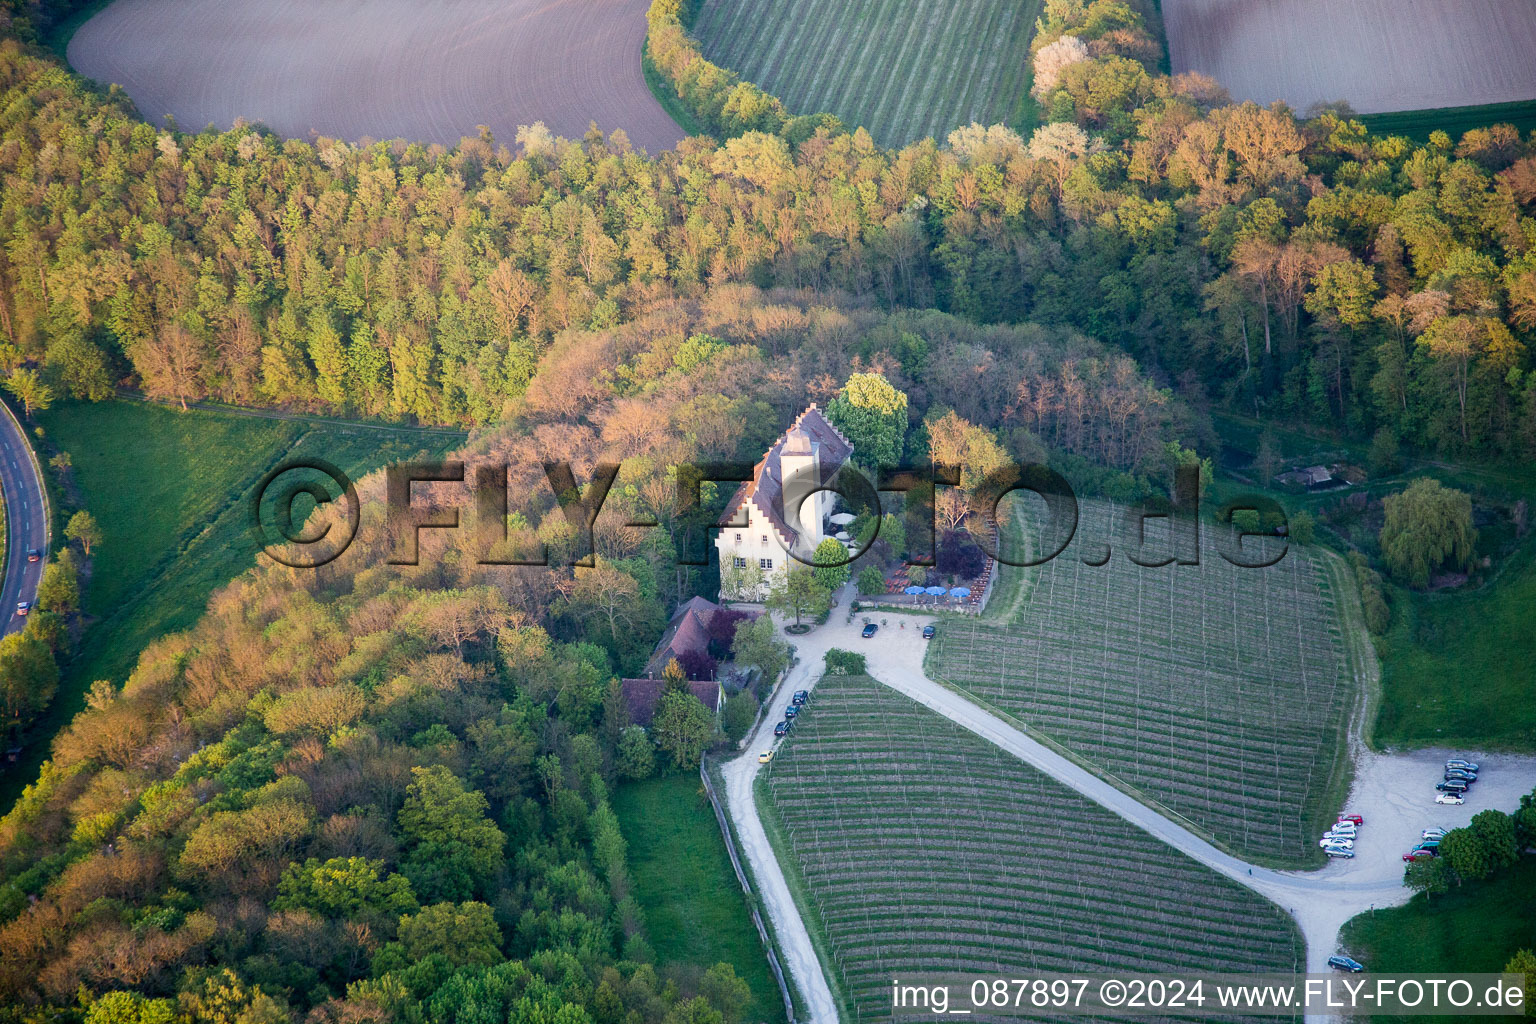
{"x": 1433, "y": 833}
{"x": 1343, "y": 826}
{"x": 1450, "y": 798}
{"x": 1345, "y": 833}
{"x": 1343, "y": 844}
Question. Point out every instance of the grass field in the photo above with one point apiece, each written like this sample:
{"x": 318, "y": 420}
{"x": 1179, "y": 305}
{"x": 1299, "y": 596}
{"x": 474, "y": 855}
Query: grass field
{"x": 170, "y": 490}
{"x": 1472, "y": 929}
{"x": 904, "y": 69}
{"x": 920, "y": 848}
{"x": 1455, "y": 121}
{"x": 1220, "y": 693}
{"x": 695, "y": 912}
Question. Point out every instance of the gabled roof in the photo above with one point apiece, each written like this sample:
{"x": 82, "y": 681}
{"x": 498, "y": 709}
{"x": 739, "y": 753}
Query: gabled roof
{"x": 688, "y": 631}
{"x": 642, "y": 696}
{"x": 810, "y": 433}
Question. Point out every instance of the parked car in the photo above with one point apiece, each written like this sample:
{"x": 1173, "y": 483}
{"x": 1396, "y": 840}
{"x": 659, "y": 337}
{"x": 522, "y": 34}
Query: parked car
{"x": 1452, "y": 786}
{"x": 1335, "y": 851}
{"x": 1450, "y": 798}
{"x": 791, "y": 712}
{"x": 928, "y": 632}
{"x": 1344, "y": 963}
{"x": 1432, "y": 845}
{"x": 1460, "y": 773}
{"x": 1417, "y": 854}
{"x": 765, "y": 757}
{"x": 1330, "y": 843}
{"x": 782, "y": 729}
{"x": 870, "y": 629}
{"x": 1433, "y": 833}
{"x": 1457, "y": 762}
{"x": 1346, "y": 826}
{"x": 22, "y": 607}
{"x": 801, "y": 698}
{"x": 34, "y": 555}
{"x": 1355, "y": 818}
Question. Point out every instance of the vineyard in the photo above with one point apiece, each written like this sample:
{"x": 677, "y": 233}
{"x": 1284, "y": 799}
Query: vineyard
{"x": 923, "y": 848}
{"x": 903, "y": 69}
{"x": 1219, "y": 692}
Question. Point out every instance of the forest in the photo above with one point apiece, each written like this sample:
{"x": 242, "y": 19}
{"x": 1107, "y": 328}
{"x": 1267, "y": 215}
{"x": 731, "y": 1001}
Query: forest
{"x": 377, "y": 792}
{"x": 1291, "y": 268}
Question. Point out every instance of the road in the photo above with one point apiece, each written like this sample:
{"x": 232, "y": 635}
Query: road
{"x": 1320, "y": 901}
{"x": 26, "y": 519}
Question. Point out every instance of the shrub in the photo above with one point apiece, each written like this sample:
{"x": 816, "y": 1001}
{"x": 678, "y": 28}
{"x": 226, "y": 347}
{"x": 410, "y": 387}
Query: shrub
{"x": 845, "y": 663}
{"x": 871, "y": 581}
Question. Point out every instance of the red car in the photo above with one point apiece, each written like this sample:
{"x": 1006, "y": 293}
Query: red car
{"x": 1418, "y": 855}
{"x": 1354, "y": 818}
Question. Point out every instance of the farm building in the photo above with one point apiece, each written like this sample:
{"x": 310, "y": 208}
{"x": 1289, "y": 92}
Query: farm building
{"x": 781, "y": 508}
{"x": 687, "y": 638}
{"x": 642, "y": 696}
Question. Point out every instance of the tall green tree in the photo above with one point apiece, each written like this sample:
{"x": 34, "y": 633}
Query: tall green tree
{"x": 872, "y": 414}
{"x": 797, "y": 592}
{"x": 1428, "y": 527}
{"x": 452, "y": 848}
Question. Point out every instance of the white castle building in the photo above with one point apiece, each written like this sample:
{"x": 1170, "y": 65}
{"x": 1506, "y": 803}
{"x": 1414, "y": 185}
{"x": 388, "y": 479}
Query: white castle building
{"x": 759, "y": 534}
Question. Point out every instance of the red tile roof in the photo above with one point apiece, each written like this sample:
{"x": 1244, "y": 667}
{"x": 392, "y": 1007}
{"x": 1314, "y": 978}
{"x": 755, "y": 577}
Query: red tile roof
{"x": 642, "y": 696}
{"x": 811, "y": 431}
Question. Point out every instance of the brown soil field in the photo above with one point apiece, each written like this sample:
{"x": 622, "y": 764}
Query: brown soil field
{"x": 1376, "y": 55}
{"x": 423, "y": 70}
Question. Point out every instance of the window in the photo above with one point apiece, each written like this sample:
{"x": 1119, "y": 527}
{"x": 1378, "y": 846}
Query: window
{"x": 763, "y": 540}
{"x": 765, "y": 563}
{"x": 739, "y": 562}
{"x": 738, "y": 538}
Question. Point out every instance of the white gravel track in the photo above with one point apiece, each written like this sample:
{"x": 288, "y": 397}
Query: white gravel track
{"x": 1393, "y": 792}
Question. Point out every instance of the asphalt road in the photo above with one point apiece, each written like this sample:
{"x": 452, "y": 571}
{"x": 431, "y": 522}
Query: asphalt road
{"x": 26, "y": 522}
{"x": 1319, "y": 901}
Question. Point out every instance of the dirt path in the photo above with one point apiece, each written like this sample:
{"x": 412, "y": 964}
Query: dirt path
{"x": 381, "y": 69}
{"x": 1394, "y": 793}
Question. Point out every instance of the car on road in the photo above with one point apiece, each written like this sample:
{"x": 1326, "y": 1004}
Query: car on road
{"x": 1344, "y": 963}
{"x": 791, "y": 712}
{"x": 1452, "y": 786}
{"x": 765, "y": 757}
{"x": 870, "y": 629}
{"x": 1338, "y": 851}
{"x": 928, "y": 632}
{"x": 801, "y": 698}
{"x": 1450, "y": 798}
{"x": 22, "y": 607}
{"x": 34, "y": 555}
{"x": 782, "y": 729}
{"x": 1353, "y": 818}
{"x": 1417, "y": 854}
{"x": 1457, "y": 762}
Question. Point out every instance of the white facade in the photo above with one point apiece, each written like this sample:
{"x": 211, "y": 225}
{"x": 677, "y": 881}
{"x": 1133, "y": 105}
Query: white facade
{"x": 782, "y": 509}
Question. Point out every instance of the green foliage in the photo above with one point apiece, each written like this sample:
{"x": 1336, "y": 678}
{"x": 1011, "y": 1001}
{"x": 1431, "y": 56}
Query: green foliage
{"x": 1428, "y": 527}
{"x": 683, "y": 728}
{"x": 831, "y": 564}
{"x": 871, "y": 581}
{"x": 59, "y": 590}
{"x": 463, "y": 933}
{"x": 844, "y": 663}
{"x": 130, "y": 1008}
{"x": 344, "y": 887}
{"x": 1524, "y": 962}
{"x": 873, "y": 416}
{"x": 1301, "y": 527}
{"x": 757, "y": 644}
{"x": 452, "y": 849}
{"x": 798, "y": 592}
{"x": 739, "y": 714}
{"x": 692, "y": 906}
{"x": 636, "y": 753}
{"x": 83, "y": 530}
{"x": 1383, "y": 458}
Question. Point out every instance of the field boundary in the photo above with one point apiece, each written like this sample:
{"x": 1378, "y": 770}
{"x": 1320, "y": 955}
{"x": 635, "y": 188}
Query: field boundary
{"x": 746, "y": 888}
{"x": 799, "y": 890}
